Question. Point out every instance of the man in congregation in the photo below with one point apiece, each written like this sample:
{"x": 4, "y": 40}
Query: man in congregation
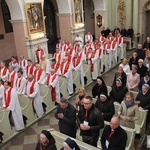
{"x": 90, "y": 121}
{"x": 113, "y": 136}
{"x": 66, "y": 114}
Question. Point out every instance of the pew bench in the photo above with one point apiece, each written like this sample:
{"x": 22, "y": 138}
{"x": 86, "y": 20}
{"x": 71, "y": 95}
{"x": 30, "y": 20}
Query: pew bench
{"x": 27, "y": 108}
{"x": 45, "y": 93}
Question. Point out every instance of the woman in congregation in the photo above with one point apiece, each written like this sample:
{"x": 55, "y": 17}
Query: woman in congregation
{"x": 105, "y": 106}
{"x": 120, "y": 74}
{"x": 128, "y": 111}
{"x": 79, "y": 98}
{"x": 125, "y": 66}
{"x": 133, "y": 60}
{"x": 118, "y": 91}
{"x": 144, "y": 98}
{"x": 99, "y": 87}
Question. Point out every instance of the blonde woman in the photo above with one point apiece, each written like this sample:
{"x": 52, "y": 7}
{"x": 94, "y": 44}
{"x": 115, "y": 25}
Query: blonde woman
{"x": 79, "y": 98}
{"x": 128, "y": 111}
{"x": 125, "y": 66}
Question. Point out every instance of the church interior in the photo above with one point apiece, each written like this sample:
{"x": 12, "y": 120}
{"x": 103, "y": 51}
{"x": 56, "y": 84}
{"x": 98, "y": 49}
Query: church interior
{"x": 26, "y": 24}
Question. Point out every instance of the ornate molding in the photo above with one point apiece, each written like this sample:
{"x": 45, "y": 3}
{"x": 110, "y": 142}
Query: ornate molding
{"x": 121, "y": 12}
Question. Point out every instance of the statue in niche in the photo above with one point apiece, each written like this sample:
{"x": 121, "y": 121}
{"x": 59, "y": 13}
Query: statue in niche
{"x": 78, "y": 11}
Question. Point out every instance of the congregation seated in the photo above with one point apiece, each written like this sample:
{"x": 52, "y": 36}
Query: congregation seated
{"x": 144, "y": 80}
{"x": 133, "y": 60}
{"x": 113, "y": 136}
{"x": 125, "y": 66}
{"x": 46, "y": 141}
{"x": 118, "y": 91}
{"x": 133, "y": 79}
{"x": 105, "y": 106}
{"x": 99, "y": 87}
{"x": 144, "y": 98}
{"x": 120, "y": 74}
{"x": 142, "y": 69}
{"x": 70, "y": 144}
{"x": 79, "y": 98}
{"x": 128, "y": 111}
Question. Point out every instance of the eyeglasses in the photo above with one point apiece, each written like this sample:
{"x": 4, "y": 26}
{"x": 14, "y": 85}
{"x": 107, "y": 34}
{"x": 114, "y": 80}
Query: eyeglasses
{"x": 87, "y": 103}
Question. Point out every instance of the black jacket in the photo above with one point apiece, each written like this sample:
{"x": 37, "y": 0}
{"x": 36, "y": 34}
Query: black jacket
{"x": 117, "y": 141}
{"x": 117, "y": 94}
{"x": 133, "y": 61}
{"x": 67, "y": 125}
{"x": 141, "y": 53}
{"x": 107, "y": 108}
{"x": 123, "y": 79}
{"x": 142, "y": 70}
{"x": 144, "y": 100}
{"x": 51, "y": 145}
{"x": 97, "y": 90}
{"x": 95, "y": 120}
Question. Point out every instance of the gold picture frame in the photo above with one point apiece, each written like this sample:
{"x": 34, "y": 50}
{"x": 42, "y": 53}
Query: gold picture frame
{"x": 35, "y": 18}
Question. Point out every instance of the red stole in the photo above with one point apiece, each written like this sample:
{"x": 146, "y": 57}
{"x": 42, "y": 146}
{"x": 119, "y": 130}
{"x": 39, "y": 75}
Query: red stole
{"x": 38, "y": 74}
{"x": 113, "y": 44}
{"x": 31, "y": 70}
{"x": 14, "y": 61}
{"x": 19, "y": 82}
{"x": 77, "y": 60}
{"x": 66, "y": 67}
{"x": 12, "y": 78}
{"x": 22, "y": 63}
{"x": 92, "y": 56}
{"x": 32, "y": 87}
{"x": 7, "y": 97}
{"x": 53, "y": 91}
{"x": 4, "y": 70}
{"x": 55, "y": 66}
{"x": 37, "y": 54}
{"x": 57, "y": 58}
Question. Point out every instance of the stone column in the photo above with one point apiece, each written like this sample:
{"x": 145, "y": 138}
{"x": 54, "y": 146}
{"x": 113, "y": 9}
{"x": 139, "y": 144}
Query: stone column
{"x": 136, "y": 16}
{"x": 128, "y": 4}
{"x": 20, "y": 33}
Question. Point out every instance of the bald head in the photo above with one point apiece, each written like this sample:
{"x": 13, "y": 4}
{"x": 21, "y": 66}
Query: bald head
{"x": 114, "y": 123}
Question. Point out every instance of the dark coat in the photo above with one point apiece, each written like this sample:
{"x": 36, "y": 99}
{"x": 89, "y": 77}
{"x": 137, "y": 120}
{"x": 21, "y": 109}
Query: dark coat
{"x": 144, "y": 100}
{"x": 51, "y": 145}
{"x": 117, "y": 94}
{"x": 141, "y": 53}
{"x": 146, "y": 45}
{"x": 107, "y": 108}
{"x": 130, "y": 32}
{"x": 142, "y": 82}
{"x": 67, "y": 125}
{"x": 142, "y": 70}
{"x": 97, "y": 90}
{"x": 123, "y": 79}
{"x": 133, "y": 61}
{"x": 95, "y": 120}
{"x": 117, "y": 141}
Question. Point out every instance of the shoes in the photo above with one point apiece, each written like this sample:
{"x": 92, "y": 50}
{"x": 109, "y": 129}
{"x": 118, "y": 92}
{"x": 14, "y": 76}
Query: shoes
{"x": 71, "y": 94}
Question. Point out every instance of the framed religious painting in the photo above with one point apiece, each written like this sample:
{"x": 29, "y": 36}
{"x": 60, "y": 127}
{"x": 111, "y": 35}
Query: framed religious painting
{"x": 35, "y": 18}
{"x": 78, "y": 11}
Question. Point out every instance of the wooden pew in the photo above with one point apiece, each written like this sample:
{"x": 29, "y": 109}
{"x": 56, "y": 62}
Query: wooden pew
{"x": 87, "y": 73}
{"x": 63, "y": 87}
{"x": 45, "y": 93}
{"x": 76, "y": 79}
{"x": 27, "y": 108}
{"x": 140, "y": 126}
{"x": 60, "y": 138}
{"x": 5, "y": 126}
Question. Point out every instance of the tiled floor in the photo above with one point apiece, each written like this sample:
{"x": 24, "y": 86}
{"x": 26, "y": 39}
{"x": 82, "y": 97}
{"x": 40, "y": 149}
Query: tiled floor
{"x": 27, "y": 139}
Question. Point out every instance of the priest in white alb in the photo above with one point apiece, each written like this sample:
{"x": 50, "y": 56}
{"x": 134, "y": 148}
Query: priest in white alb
{"x": 32, "y": 90}
{"x": 3, "y": 71}
{"x": 11, "y": 102}
{"x": 52, "y": 80}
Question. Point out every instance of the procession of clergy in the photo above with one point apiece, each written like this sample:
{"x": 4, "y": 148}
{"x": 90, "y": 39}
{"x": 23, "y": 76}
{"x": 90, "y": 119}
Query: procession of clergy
{"x": 22, "y": 77}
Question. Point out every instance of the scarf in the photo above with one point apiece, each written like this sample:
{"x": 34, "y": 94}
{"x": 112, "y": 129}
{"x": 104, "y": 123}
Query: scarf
{"x": 128, "y": 104}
